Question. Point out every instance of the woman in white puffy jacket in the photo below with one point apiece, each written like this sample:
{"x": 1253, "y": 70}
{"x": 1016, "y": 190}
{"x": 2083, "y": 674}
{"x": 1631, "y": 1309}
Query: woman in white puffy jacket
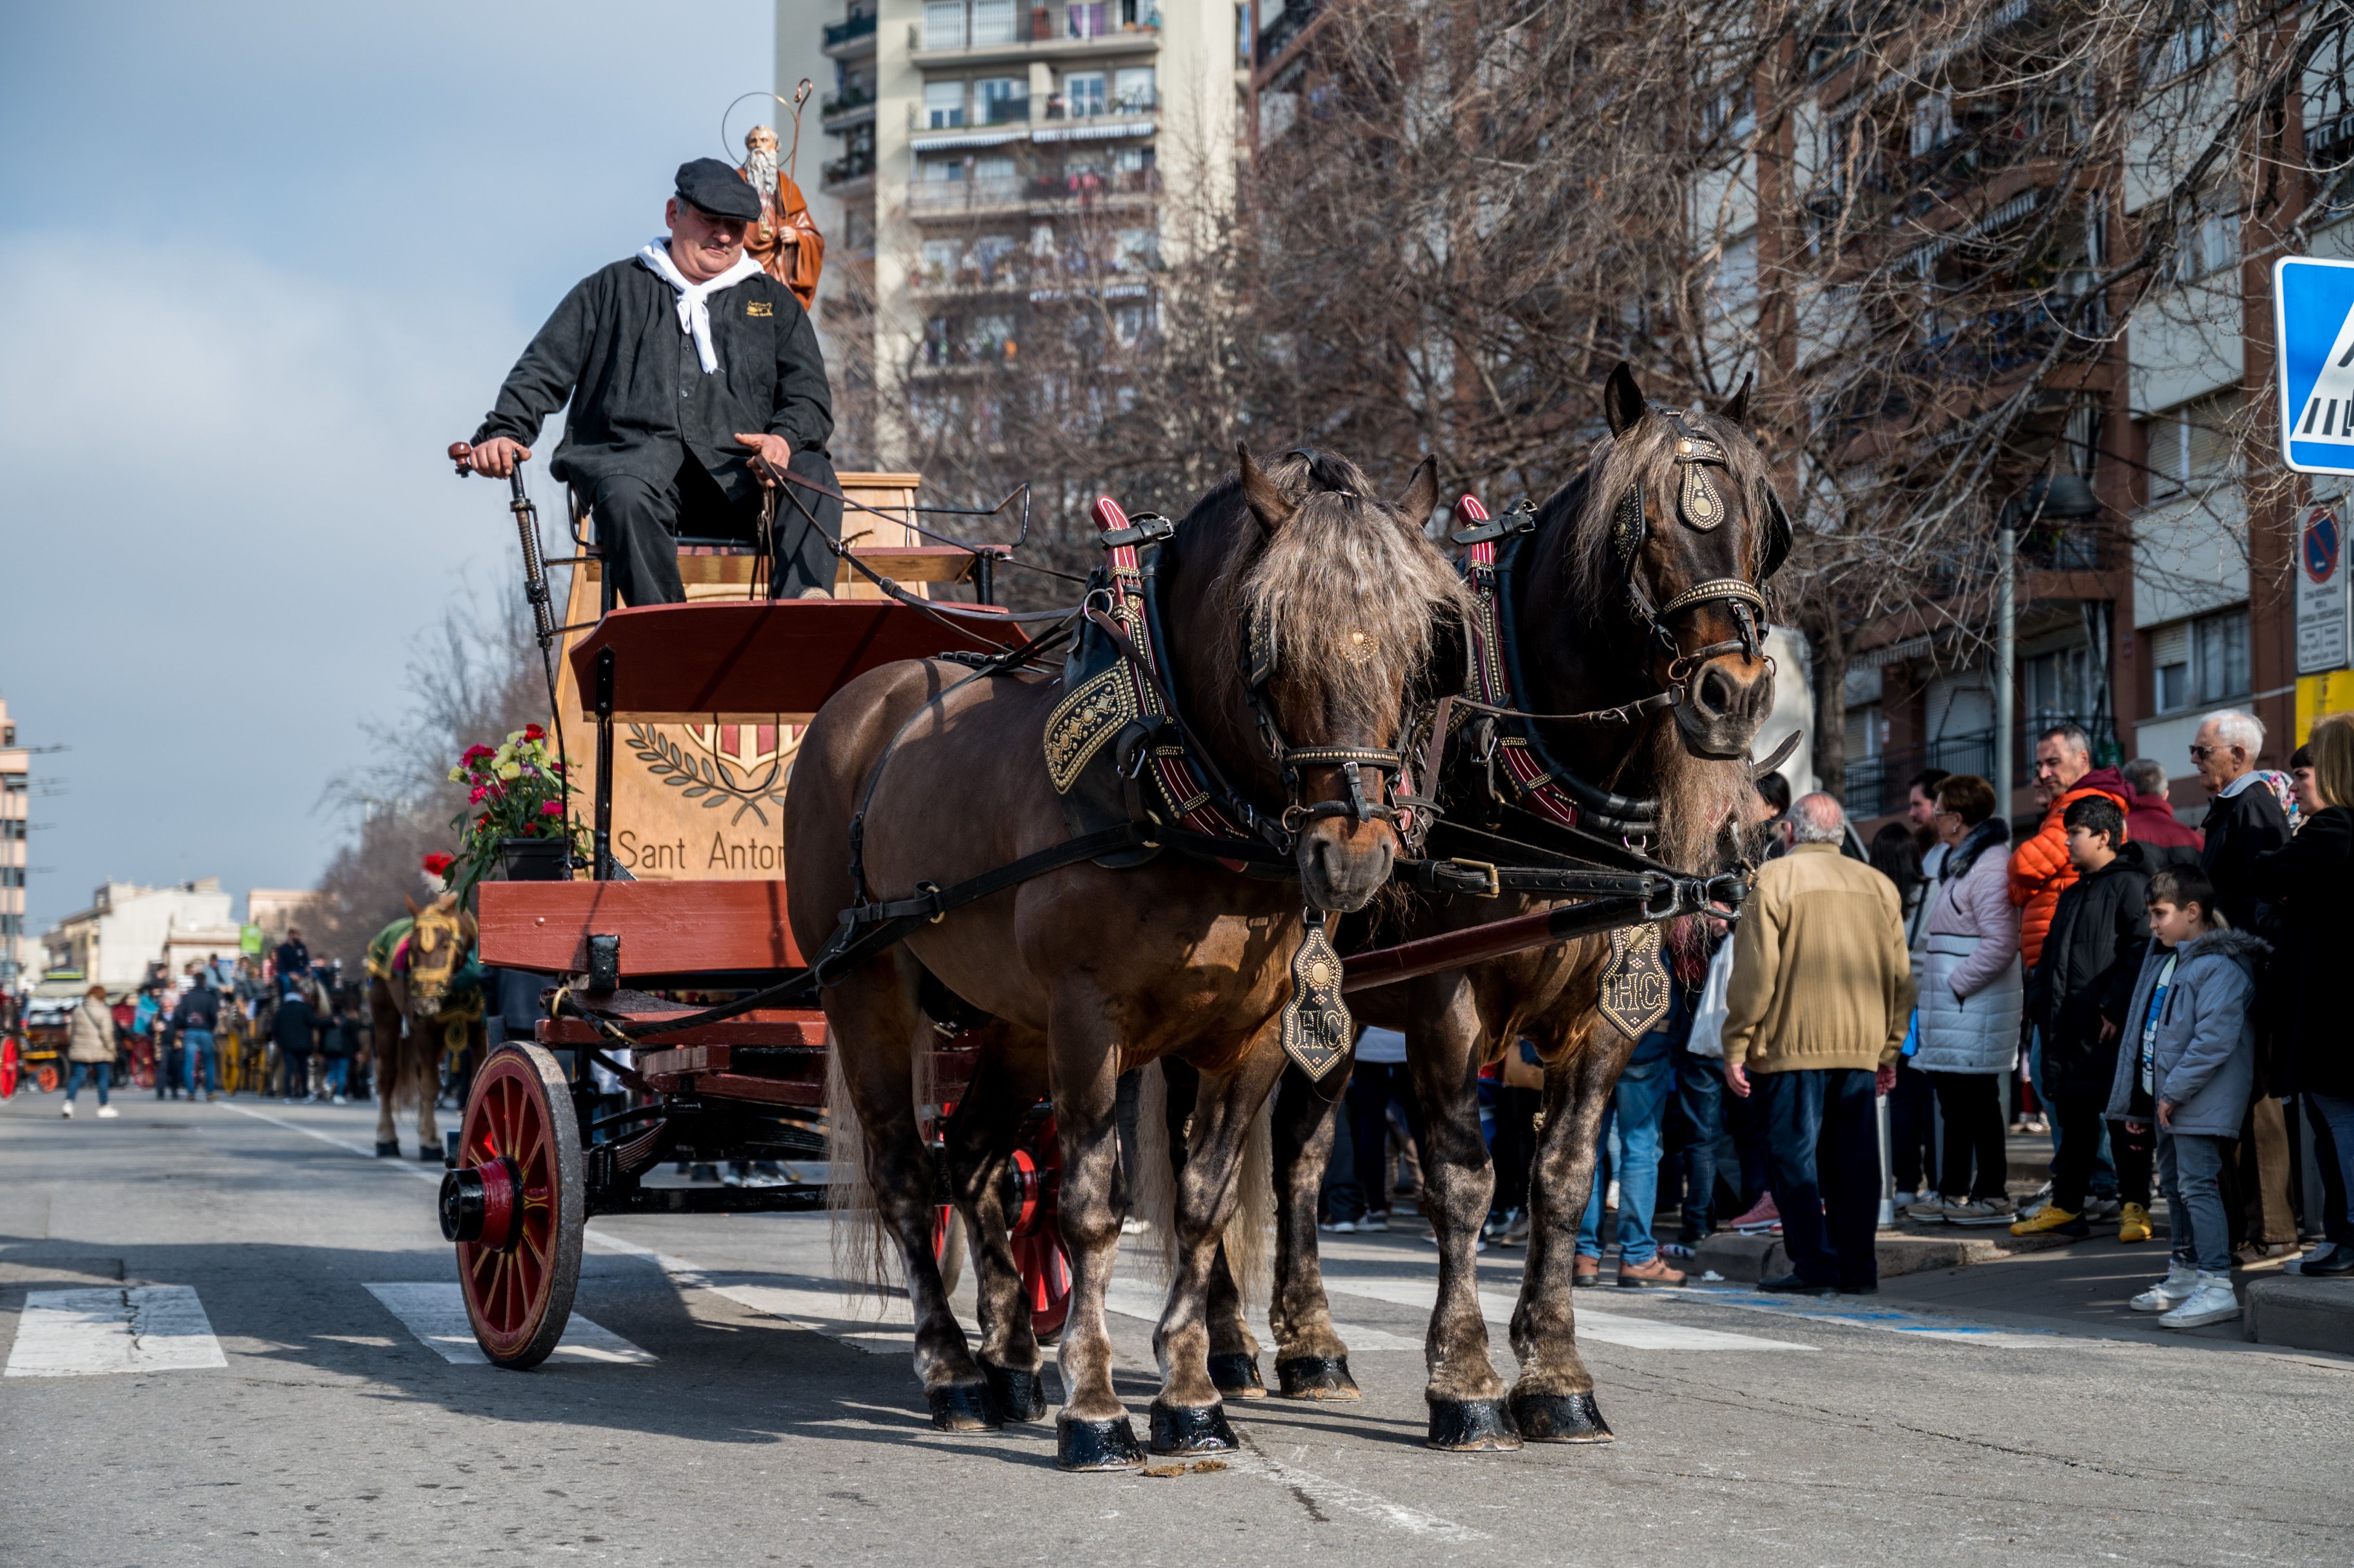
{"x": 1971, "y": 990}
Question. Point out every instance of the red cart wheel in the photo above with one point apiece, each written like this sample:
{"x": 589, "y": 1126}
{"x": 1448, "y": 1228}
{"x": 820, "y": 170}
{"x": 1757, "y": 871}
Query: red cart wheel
{"x": 11, "y": 1068}
{"x": 948, "y": 1244}
{"x": 515, "y": 1205}
{"x": 1046, "y": 1280}
{"x": 46, "y": 1077}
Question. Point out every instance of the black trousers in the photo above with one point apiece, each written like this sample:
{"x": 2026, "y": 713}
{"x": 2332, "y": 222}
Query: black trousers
{"x": 1911, "y": 1128}
{"x": 1822, "y": 1126}
{"x": 639, "y": 525}
{"x": 2136, "y": 1157}
{"x": 1514, "y": 1151}
{"x": 2077, "y": 1114}
{"x": 1971, "y": 1104}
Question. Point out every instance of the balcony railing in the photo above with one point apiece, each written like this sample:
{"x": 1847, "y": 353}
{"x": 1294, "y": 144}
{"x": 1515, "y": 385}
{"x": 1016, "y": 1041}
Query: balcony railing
{"x": 840, "y": 32}
{"x": 851, "y": 99}
{"x": 844, "y": 170}
{"x": 1063, "y": 21}
{"x": 938, "y": 197}
{"x": 1876, "y": 786}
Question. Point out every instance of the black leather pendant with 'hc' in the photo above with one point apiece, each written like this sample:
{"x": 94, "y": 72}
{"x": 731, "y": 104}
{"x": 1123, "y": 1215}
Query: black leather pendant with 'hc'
{"x": 1317, "y": 1029}
{"x": 1635, "y": 981}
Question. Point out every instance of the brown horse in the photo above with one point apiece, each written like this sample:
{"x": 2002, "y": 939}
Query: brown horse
{"x": 1612, "y": 606}
{"x": 1088, "y": 971}
{"x": 417, "y": 1013}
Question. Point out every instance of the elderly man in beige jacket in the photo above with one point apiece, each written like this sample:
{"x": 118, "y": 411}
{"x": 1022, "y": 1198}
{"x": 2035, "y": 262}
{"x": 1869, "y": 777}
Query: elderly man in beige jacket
{"x": 1815, "y": 1016}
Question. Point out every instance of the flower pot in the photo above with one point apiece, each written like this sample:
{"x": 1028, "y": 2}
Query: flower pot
{"x": 535, "y": 860}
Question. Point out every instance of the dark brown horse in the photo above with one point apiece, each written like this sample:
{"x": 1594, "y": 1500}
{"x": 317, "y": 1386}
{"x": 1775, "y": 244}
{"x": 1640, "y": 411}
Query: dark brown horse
{"x": 1086, "y": 972}
{"x": 1612, "y": 606}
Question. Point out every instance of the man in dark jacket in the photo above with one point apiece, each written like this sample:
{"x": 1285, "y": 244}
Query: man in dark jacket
{"x": 293, "y": 956}
{"x": 194, "y": 1021}
{"x": 2245, "y": 819}
{"x": 2079, "y": 992}
{"x": 695, "y": 382}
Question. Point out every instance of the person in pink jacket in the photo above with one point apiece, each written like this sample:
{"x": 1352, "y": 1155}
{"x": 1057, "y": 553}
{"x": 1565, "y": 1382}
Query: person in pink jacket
{"x": 1970, "y": 997}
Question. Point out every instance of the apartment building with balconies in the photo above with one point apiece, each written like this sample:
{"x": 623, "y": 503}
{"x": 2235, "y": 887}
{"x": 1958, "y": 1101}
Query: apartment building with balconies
{"x": 16, "y": 793}
{"x": 996, "y": 158}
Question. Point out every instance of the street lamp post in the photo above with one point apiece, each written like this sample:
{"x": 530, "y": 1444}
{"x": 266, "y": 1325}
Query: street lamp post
{"x": 2065, "y": 497}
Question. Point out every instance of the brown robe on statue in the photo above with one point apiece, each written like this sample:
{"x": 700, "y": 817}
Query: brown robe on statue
{"x": 786, "y": 242}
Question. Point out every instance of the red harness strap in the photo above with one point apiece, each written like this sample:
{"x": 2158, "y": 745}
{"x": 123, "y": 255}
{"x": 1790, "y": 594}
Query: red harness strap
{"x": 1172, "y": 769}
{"x": 1534, "y": 785}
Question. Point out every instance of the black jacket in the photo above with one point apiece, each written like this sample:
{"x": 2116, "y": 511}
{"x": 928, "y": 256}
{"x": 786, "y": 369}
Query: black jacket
{"x": 198, "y": 1009}
{"x": 2308, "y": 881}
{"x": 2240, "y": 828}
{"x": 2091, "y": 956}
{"x": 640, "y": 401}
{"x": 293, "y": 1028}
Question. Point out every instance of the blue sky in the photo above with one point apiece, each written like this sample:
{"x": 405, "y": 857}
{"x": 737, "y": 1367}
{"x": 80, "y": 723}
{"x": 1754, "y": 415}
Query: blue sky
{"x": 258, "y": 265}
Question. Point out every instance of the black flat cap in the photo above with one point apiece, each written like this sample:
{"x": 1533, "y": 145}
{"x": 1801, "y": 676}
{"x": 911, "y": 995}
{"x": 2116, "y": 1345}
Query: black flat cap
{"x": 718, "y": 190}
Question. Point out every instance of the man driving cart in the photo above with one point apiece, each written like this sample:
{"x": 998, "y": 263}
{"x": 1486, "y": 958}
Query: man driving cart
{"x": 695, "y": 381}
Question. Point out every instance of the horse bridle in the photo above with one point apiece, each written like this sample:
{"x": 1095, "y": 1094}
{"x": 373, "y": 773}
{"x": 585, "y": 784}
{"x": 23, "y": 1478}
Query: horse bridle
{"x": 1261, "y": 657}
{"x": 1701, "y": 506}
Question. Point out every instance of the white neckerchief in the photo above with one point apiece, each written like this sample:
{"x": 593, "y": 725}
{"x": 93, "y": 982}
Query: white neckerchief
{"x": 694, "y": 299}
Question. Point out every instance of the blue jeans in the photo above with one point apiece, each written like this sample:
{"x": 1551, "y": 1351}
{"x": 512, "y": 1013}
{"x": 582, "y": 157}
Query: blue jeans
{"x": 2190, "y": 1173}
{"x": 1636, "y": 1110}
{"x": 1823, "y": 1129}
{"x": 102, "y": 1071}
{"x": 338, "y": 1066}
{"x": 1699, "y": 1115}
{"x": 196, "y": 1045}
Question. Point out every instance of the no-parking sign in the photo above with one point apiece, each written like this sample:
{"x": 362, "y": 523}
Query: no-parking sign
{"x": 2322, "y": 633}
{"x": 2312, "y": 322}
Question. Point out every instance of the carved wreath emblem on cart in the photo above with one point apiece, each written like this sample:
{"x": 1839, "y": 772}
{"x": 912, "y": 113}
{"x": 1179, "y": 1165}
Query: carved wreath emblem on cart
{"x": 728, "y": 764}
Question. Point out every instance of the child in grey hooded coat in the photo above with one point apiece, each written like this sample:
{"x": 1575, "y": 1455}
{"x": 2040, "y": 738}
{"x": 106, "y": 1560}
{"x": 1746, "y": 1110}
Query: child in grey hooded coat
{"x": 2190, "y": 1047}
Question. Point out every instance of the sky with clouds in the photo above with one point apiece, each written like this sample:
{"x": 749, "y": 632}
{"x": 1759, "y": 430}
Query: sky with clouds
{"x": 258, "y": 265}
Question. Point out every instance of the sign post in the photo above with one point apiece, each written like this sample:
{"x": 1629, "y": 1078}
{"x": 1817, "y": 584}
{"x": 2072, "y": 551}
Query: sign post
{"x": 2313, "y": 324}
{"x": 2324, "y": 639}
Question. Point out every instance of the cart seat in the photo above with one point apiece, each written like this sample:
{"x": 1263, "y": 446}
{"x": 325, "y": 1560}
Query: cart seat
{"x": 763, "y": 661}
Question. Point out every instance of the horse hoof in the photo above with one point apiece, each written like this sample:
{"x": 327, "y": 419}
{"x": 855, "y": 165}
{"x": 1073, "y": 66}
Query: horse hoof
{"x": 1020, "y": 1395}
{"x": 1559, "y": 1418}
{"x": 1236, "y": 1376}
{"x": 427, "y": 1156}
{"x": 1097, "y": 1444}
{"x": 963, "y": 1407}
{"x": 1191, "y": 1429}
{"x": 387, "y": 1148}
{"x": 1315, "y": 1377}
{"x": 1471, "y": 1425}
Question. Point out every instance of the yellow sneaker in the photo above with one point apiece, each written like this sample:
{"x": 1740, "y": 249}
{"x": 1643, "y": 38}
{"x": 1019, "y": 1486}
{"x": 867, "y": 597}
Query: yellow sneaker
{"x": 2133, "y": 1223}
{"x": 2048, "y": 1219}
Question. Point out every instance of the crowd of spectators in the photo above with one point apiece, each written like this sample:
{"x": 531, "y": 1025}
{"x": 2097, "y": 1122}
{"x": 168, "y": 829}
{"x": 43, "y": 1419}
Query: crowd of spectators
{"x": 2152, "y": 995}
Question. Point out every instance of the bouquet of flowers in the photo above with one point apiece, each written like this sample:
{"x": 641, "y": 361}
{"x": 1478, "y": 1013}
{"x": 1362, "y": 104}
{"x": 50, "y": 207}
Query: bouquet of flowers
{"x": 513, "y": 790}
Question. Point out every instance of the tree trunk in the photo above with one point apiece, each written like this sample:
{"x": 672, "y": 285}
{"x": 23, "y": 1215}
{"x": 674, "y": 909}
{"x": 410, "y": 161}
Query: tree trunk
{"x": 1829, "y": 640}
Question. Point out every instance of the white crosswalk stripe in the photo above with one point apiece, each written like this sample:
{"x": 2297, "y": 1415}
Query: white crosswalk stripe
{"x": 113, "y": 1329}
{"x": 435, "y": 1311}
{"x": 1606, "y": 1328}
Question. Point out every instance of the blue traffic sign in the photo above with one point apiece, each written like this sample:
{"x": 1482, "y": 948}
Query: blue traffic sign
{"x": 2313, "y": 322}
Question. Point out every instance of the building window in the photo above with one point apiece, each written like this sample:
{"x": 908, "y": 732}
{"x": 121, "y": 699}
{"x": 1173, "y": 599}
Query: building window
{"x": 943, "y": 24}
{"x": 943, "y": 104}
{"x": 1089, "y": 20}
{"x": 12, "y": 924}
{"x": 993, "y": 22}
{"x": 1933, "y": 124}
{"x": 2190, "y": 447}
{"x": 1131, "y": 89}
{"x": 1084, "y": 95}
{"x": 2201, "y": 38}
{"x": 940, "y": 260}
{"x": 2210, "y": 237}
{"x": 940, "y": 170}
{"x": 2200, "y": 662}
{"x": 1001, "y": 100}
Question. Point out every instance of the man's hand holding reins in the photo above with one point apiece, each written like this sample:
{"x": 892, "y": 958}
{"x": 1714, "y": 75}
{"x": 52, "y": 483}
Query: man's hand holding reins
{"x": 495, "y": 457}
{"x": 770, "y": 454}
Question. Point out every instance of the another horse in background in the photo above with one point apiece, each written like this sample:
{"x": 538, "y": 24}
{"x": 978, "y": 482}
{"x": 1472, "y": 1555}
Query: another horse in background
{"x": 423, "y": 1002}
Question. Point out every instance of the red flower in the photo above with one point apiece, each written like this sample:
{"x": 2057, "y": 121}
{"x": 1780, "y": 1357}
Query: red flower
{"x": 551, "y": 808}
{"x": 439, "y": 864}
{"x": 533, "y": 732}
{"x": 476, "y": 753}
{"x": 475, "y": 798}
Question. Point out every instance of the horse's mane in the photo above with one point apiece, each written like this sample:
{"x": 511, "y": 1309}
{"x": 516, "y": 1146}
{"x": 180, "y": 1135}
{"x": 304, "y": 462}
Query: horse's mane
{"x": 1351, "y": 590}
{"x": 1597, "y": 589}
{"x": 1696, "y": 794}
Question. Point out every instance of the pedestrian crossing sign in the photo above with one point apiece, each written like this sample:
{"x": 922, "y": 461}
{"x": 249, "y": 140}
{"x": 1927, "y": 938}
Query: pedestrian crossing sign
{"x": 2313, "y": 322}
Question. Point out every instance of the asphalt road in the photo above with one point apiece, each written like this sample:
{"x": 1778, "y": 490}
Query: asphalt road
{"x": 245, "y": 1396}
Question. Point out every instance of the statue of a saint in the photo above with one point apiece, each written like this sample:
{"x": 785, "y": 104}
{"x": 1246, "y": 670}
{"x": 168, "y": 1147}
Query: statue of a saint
{"x": 785, "y": 242}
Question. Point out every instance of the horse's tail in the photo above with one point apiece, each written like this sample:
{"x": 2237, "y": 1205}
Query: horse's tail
{"x": 1249, "y": 1239}
{"x": 863, "y": 1250}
